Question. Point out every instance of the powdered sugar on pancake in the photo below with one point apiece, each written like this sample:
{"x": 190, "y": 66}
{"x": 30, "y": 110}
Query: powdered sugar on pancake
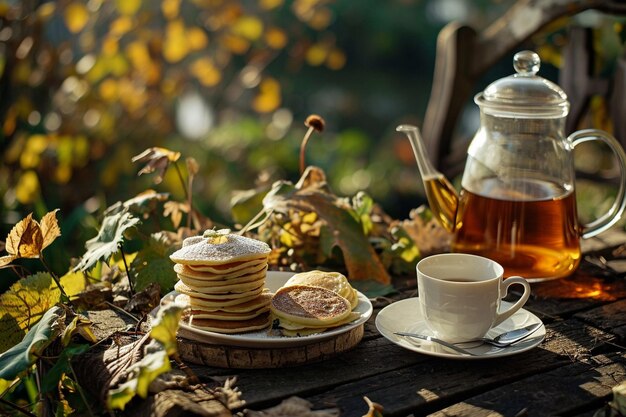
{"x": 198, "y": 250}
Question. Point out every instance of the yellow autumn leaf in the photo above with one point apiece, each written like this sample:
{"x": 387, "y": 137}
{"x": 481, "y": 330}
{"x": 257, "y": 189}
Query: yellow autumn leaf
{"x": 121, "y": 26}
{"x": 268, "y": 99}
{"x": 336, "y": 59}
{"x": 110, "y": 46}
{"x": 25, "y": 239}
{"x": 27, "y": 188}
{"x": 316, "y": 54}
{"x": 206, "y": 72}
{"x": 270, "y": 4}
{"x": 175, "y": 47}
{"x": 236, "y": 44}
{"x": 50, "y": 229}
{"x": 196, "y": 38}
{"x": 249, "y": 27}
{"x": 128, "y": 7}
{"x": 76, "y": 16}
{"x": 275, "y": 38}
{"x": 108, "y": 90}
{"x": 170, "y": 8}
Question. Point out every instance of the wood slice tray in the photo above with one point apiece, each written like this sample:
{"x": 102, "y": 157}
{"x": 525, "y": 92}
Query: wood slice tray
{"x": 276, "y": 357}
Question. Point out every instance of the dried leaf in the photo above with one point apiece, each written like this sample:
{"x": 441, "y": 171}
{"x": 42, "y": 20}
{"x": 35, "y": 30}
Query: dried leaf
{"x": 157, "y": 159}
{"x": 49, "y": 228}
{"x": 25, "y": 239}
{"x": 106, "y": 243}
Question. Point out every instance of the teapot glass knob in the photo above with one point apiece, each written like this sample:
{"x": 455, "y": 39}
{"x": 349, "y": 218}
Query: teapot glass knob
{"x": 526, "y": 63}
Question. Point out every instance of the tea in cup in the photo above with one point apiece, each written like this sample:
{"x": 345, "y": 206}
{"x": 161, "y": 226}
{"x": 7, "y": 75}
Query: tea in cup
{"x": 460, "y": 295}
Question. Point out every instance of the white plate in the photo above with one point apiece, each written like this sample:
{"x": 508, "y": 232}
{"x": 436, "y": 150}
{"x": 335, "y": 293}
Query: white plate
{"x": 261, "y": 339}
{"x": 405, "y": 316}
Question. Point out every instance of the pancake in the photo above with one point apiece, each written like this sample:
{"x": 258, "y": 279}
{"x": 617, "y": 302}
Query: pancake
{"x": 218, "y": 300}
{"x": 231, "y": 326}
{"x": 228, "y": 268}
{"x": 226, "y": 315}
{"x": 196, "y": 273}
{"x": 252, "y": 304}
{"x": 227, "y": 288}
{"x": 333, "y": 281}
{"x": 222, "y": 250}
{"x": 308, "y": 305}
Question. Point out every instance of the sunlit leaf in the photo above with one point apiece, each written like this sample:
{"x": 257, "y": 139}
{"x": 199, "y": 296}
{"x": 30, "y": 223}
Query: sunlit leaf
{"x": 46, "y": 11}
{"x": 25, "y": 239}
{"x": 175, "y": 210}
{"x": 21, "y": 356}
{"x": 27, "y": 188}
{"x": 170, "y": 8}
{"x": 142, "y": 374}
{"x": 165, "y": 326}
{"x": 108, "y": 240}
{"x": 269, "y": 97}
{"x": 156, "y": 159}
{"x": 270, "y": 4}
{"x": 175, "y": 46}
{"x": 276, "y": 38}
{"x": 121, "y": 26}
{"x": 153, "y": 264}
{"x": 206, "y": 72}
{"x": 80, "y": 325}
{"x": 128, "y": 7}
{"x": 76, "y": 16}
{"x": 196, "y": 38}
{"x": 316, "y": 54}
{"x": 50, "y": 229}
{"x": 23, "y": 304}
{"x": 236, "y": 44}
{"x": 249, "y": 27}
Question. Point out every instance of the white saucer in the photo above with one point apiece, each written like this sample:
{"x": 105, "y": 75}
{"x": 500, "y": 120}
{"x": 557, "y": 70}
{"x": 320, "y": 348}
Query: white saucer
{"x": 261, "y": 339}
{"x": 405, "y": 316}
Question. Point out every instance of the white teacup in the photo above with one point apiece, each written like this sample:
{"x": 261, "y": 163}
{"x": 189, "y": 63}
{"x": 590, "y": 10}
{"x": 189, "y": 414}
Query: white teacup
{"x": 459, "y": 295}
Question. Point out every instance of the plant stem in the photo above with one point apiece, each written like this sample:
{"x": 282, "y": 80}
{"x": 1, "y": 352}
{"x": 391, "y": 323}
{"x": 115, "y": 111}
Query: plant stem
{"x": 182, "y": 180}
{"x": 121, "y": 310}
{"x": 251, "y": 223}
{"x": 130, "y": 281}
{"x": 80, "y": 390}
{"x": 55, "y": 278}
{"x": 189, "y": 194}
{"x": 302, "y": 148}
{"x": 17, "y": 408}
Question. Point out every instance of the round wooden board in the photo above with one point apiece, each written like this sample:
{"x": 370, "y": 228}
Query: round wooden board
{"x": 255, "y": 358}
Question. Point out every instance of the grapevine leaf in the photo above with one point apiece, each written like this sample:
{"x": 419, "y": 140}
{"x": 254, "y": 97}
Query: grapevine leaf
{"x": 165, "y": 326}
{"x": 24, "y": 303}
{"x": 25, "y": 239}
{"x": 49, "y": 228}
{"x": 106, "y": 243}
{"x": 141, "y": 373}
{"x": 21, "y": 356}
{"x": 157, "y": 160}
{"x": 153, "y": 264}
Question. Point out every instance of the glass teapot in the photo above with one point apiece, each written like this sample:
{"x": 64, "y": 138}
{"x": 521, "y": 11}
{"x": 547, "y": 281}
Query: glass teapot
{"x": 517, "y": 203}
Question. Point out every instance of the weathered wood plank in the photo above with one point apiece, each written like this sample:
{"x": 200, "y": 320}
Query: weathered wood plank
{"x": 566, "y": 391}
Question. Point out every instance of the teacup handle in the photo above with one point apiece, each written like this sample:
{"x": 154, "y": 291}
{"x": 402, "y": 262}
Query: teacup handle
{"x": 504, "y": 290}
{"x": 615, "y": 212}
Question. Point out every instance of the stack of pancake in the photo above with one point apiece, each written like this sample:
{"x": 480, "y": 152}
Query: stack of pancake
{"x": 222, "y": 278}
{"x": 312, "y": 302}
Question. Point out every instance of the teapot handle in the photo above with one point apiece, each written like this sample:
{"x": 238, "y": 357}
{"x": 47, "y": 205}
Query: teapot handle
{"x": 609, "y": 218}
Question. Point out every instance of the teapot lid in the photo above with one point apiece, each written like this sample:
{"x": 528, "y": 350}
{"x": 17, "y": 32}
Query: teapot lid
{"x": 524, "y": 94}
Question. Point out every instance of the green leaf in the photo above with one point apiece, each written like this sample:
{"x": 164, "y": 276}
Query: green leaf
{"x": 61, "y": 366}
{"x": 363, "y": 205}
{"x": 110, "y": 236}
{"x": 20, "y": 357}
{"x": 373, "y": 289}
{"x": 153, "y": 264}
{"x": 165, "y": 326}
{"x": 142, "y": 374}
{"x": 23, "y": 305}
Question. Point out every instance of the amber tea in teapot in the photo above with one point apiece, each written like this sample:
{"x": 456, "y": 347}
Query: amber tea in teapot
{"x": 517, "y": 203}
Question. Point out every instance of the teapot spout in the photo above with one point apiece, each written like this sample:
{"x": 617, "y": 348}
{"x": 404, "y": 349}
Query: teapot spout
{"x": 442, "y": 197}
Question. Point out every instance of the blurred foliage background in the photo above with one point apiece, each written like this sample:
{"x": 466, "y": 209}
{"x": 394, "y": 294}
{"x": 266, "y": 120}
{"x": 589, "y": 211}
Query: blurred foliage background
{"x": 87, "y": 84}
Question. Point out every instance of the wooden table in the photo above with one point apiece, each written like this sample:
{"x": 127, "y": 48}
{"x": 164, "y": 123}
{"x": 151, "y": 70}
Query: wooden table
{"x": 571, "y": 373}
